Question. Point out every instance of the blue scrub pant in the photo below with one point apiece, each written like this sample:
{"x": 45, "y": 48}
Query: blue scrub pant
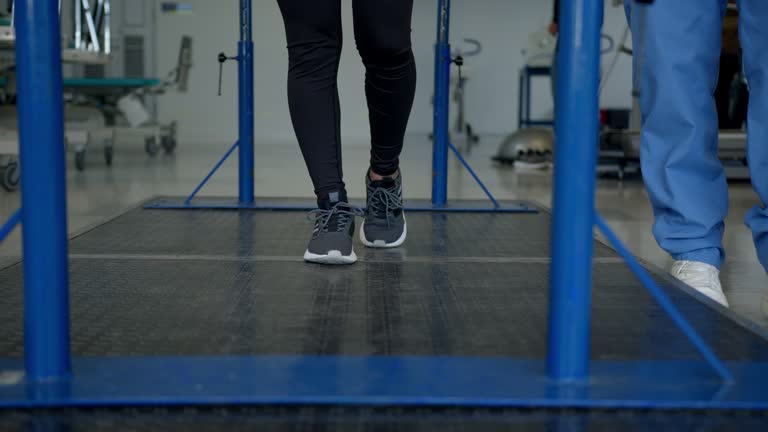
{"x": 677, "y": 62}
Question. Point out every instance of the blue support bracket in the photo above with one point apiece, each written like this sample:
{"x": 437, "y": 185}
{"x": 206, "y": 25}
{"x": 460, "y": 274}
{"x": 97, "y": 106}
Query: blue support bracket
{"x": 9, "y": 225}
{"x": 216, "y": 167}
{"x": 664, "y": 302}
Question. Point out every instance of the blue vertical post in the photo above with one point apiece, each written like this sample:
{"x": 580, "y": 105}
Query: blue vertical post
{"x": 441, "y": 108}
{"x": 43, "y": 181}
{"x": 245, "y": 96}
{"x": 574, "y": 190}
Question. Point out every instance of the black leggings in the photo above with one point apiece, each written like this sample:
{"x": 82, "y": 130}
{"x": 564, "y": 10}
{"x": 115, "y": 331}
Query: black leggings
{"x": 383, "y": 37}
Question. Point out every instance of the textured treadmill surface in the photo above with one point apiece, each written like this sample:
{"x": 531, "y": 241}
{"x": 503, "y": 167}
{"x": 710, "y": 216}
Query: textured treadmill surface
{"x": 285, "y": 234}
{"x": 156, "y": 282}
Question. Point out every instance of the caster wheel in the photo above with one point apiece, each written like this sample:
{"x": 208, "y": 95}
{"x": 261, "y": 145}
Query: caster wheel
{"x": 9, "y": 177}
{"x": 80, "y": 160}
{"x": 169, "y": 144}
{"x": 109, "y": 152}
{"x": 150, "y": 146}
{"x": 472, "y": 137}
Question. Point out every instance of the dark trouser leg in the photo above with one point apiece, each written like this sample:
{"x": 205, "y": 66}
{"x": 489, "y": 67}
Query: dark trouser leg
{"x": 314, "y": 34}
{"x": 383, "y": 36}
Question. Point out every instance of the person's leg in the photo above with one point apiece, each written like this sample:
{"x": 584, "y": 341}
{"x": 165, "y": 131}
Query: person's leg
{"x": 676, "y": 57}
{"x": 383, "y": 36}
{"x": 314, "y": 36}
{"x": 753, "y": 18}
{"x": 677, "y": 51}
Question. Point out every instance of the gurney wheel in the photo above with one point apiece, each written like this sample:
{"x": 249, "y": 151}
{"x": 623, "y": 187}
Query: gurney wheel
{"x": 108, "y": 153}
{"x": 9, "y": 177}
{"x": 80, "y": 160}
{"x": 169, "y": 144}
{"x": 150, "y": 145}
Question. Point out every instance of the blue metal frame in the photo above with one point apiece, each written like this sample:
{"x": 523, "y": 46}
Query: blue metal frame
{"x": 43, "y": 183}
{"x": 663, "y": 300}
{"x": 10, "y": 224}
{"x": 565, "y": 379}
{"x": 524, "y": 96}
{"x": 216, "y": 167}
{"x": 246, "y": 103}
{"x": 440, "y": 132}
{"x": 385, "y": 381}
{"x": 574, "y": 189}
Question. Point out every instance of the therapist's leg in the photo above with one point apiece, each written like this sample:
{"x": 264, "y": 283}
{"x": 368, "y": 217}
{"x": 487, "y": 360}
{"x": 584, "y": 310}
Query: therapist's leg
{"x": 754, "y": 41}
{"x": 677, "y": 55}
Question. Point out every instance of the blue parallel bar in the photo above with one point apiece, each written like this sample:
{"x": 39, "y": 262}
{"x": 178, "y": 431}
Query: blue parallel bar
{"x": 246, "y": 104}
{"x": 10, "y": 225}
{"x": 663, "y": 300}
{"x": 574, "y": 189}
{"x": 43, "y": 181}
{"x": 442, "y": 95}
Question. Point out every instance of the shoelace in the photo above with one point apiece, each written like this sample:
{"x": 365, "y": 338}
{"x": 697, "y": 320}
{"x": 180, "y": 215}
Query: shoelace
{"x": 322, "y": 218}
{"x": 383, "y": 202}
{"x": 696, "y": 276}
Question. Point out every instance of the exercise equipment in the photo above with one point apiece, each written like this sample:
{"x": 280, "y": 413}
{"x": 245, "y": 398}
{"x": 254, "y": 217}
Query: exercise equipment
{"x": 208, "y": 315}
{"x": 537, "y": 140}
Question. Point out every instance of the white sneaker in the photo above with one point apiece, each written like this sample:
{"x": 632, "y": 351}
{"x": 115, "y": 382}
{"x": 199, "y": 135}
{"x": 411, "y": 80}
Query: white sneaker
{"x": 702, "y": 277}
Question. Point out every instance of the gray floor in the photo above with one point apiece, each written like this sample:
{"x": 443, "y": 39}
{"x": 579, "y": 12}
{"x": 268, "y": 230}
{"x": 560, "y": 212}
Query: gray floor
{"x": 101, "y": 192}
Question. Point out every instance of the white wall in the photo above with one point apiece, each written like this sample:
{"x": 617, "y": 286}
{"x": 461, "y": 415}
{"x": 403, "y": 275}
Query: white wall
{"x": 502, "y": 25}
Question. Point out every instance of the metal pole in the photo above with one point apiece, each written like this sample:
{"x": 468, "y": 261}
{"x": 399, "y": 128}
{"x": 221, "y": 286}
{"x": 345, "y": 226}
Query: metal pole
{"x": 245, "y": 94}
{"x": 43, "y": 181}
{"x": 574, "y": 190}
{"x": 441, "y": 108}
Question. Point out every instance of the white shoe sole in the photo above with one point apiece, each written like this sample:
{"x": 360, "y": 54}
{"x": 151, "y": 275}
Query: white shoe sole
{"x": 381, "y": 244}
{"x": 332, "y": 258}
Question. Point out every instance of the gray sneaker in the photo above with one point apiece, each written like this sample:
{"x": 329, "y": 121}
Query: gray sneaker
{"x": 384, "y": 225}
{"x": 331, "y": 241}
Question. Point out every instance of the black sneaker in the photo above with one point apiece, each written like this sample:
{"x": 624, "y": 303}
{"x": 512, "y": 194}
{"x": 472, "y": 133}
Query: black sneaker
{"x": 331, "y": 241}
{"x": 384, "y": 225}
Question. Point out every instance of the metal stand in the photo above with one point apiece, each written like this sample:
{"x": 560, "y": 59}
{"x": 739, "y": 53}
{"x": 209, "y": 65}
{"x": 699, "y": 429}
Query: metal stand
{"x": 574, "y": 189}
{"x": 245, "y": 97}
{"x": 41, "y": 136}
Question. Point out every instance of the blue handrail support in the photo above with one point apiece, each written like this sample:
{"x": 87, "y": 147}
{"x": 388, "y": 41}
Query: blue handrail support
{"x": 570, "y": 298}
{"x": 43, "y": 183}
